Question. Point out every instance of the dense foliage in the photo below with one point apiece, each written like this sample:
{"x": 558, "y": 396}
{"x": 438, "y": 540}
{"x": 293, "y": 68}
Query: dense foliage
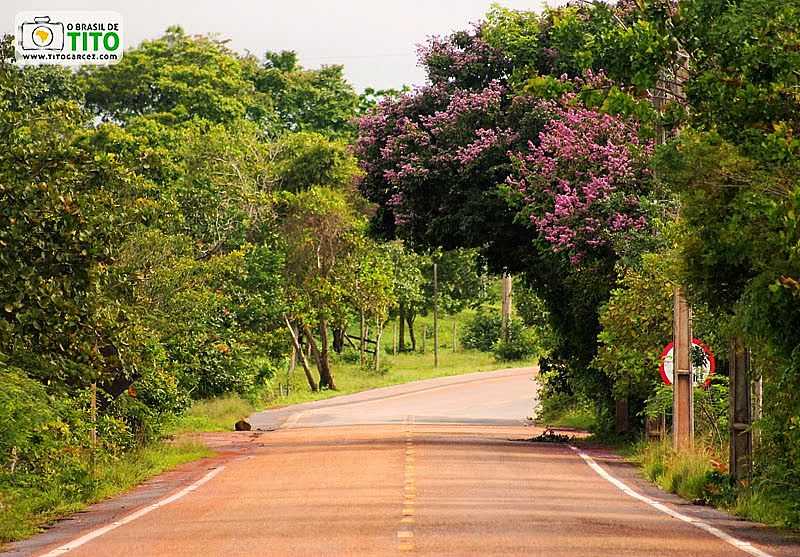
{"x": 609, "y": 153}
{"x": 176, "y": 227}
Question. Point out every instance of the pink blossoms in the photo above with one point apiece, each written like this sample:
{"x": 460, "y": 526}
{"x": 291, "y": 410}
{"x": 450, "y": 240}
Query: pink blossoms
{"x": 583, "y": 180}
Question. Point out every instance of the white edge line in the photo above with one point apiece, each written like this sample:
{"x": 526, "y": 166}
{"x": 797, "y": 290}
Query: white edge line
{"x": 74, "y": 544}
{"x": 739, "y": 544}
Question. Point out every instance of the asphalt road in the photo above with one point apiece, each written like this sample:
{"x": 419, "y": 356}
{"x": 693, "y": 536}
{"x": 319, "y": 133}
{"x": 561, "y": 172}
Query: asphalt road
{"x": 439, "y": 467}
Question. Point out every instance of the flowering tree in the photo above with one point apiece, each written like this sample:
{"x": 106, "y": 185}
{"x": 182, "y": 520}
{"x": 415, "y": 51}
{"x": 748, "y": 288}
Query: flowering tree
{"x": 582, "y": 182}
{"x": 544, "y": 173}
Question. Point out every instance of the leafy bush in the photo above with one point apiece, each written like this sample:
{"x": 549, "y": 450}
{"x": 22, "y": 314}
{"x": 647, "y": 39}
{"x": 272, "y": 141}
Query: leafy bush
{"x": 482, "y": 331}
{"x": 710, "y": 404}
{"x": 521, "y": 343}
{"x": 36, "y": 428}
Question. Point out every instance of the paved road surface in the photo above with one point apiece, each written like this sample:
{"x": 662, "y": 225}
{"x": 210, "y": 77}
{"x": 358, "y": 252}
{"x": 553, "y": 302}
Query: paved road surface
{"x": 437, "y": 467}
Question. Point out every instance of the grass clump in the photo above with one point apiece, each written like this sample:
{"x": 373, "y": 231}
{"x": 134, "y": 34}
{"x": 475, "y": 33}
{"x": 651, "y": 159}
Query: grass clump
{"x": 700, "y": 475}
{"x": 691, "y": 474}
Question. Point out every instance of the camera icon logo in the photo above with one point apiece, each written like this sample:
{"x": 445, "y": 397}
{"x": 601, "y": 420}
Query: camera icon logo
{"x": 42, "y": 34}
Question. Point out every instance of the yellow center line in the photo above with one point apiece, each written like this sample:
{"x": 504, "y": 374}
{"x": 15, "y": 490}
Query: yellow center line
{"x": 405, "y": 533}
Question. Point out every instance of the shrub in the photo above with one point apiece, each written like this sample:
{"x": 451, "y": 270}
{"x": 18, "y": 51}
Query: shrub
{"x": 482, "y": 331}
{"x": 521, "y": 343}
{"x": 43, "y": 437}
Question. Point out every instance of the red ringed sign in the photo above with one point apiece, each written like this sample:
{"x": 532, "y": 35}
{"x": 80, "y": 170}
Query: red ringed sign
{"x": 702, "y": 376}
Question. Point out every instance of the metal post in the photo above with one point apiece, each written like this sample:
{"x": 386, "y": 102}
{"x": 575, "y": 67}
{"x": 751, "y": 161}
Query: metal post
{"x": 683, "y": 384}
{"x": 435, "y": 316}
{"x": 741, "y": 434}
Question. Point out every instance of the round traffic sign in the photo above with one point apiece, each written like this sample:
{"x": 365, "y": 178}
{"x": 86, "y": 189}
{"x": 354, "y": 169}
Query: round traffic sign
{"x": 700, "y": 352}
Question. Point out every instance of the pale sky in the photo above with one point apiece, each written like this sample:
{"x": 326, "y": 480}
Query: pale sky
{"x": 374, "y": 39}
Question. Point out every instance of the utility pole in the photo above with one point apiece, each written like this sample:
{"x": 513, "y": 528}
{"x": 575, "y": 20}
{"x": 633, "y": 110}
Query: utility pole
{"x": 683, "y": 382}
{"x": 506, "y": 315}
{"x": 741, "y": 434}
{"x": 93, "y": 416}
{"x": 435, "y": 315}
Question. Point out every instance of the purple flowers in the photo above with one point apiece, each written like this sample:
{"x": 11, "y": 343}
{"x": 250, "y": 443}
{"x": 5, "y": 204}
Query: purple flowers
{"x": 582, "y": 181}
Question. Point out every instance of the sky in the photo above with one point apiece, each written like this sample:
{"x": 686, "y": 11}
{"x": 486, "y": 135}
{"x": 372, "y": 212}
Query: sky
{"x": 375, "y": 40}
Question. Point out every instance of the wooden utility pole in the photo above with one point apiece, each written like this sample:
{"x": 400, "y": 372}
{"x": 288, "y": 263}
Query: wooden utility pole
{"x": 741, "y": 434}
{"x": 506, "y": 312}
{"x": 93, "y": 415}
{"x": 435, "y": 315}
{"x": 683, "y": 382}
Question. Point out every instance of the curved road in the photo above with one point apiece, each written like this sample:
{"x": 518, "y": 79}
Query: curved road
{"x": 439, "y": 467}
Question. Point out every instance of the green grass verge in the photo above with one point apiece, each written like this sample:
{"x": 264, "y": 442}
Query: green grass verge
{"x": 23, "y": 511}
{"x": 699, "y": 476}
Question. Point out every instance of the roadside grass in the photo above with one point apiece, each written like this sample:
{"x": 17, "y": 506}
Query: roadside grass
{"x": 23, "y": 511}
{"x": 700, "y": 475}
{"x": 686, "y": 473}
{"x": 216, "y": 414}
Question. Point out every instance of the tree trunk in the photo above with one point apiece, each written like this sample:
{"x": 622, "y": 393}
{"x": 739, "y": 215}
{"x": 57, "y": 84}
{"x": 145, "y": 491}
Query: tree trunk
{"x": 410, "y": 320}
{"x": 401, "y": 343}
{"x": 338, "y": 339}
{"x": 325, "y": 372}
{"x": 322, "y": 355}
{"x": 621, "y": 415}
{"x": 303, "y": 361}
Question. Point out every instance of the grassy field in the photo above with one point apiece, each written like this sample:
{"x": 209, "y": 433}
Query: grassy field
{"x": 221, "y": 413}
{"x": 24, "y": 511}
